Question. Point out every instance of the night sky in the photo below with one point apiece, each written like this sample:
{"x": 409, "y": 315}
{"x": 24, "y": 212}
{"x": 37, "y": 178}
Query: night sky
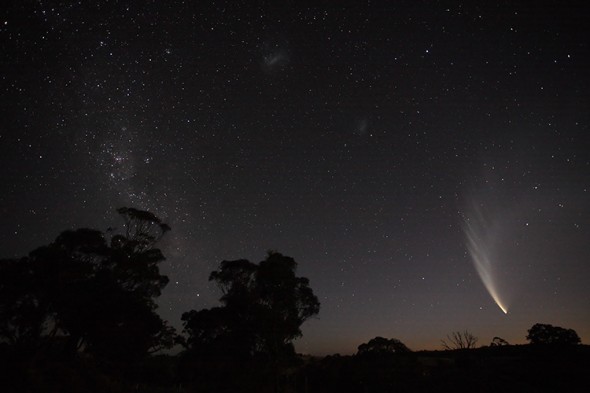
{"x": 427, "y": 163}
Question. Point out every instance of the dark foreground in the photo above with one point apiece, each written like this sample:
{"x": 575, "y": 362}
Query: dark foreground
{"x": 524, "y": 368}
{"x": 491, "y": 369}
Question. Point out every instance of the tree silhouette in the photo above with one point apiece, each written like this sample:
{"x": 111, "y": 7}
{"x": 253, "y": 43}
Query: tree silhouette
{"x": 98, "y": 295}
{"x": 498, "y": 342}
{"x": 380, "y": 345}
{"x": 264, "y": 306}
{"x": 22, "y": 316}
{"x": 548, "y": 334}
{"x": 459, "y": 340}
{"x": 269, "y": 298}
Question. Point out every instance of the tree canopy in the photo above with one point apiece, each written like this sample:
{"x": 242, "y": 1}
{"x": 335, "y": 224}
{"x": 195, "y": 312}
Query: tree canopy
{"x": 263, "y": 308}
{"x": 265, "y": 304}
{"x": 380, "y": 345}
{"x": 95, "y": 290}
{"x": 541, "y": 333}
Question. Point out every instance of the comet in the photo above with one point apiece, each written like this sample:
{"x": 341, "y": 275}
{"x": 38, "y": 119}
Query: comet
{"x": 481, "y": 239}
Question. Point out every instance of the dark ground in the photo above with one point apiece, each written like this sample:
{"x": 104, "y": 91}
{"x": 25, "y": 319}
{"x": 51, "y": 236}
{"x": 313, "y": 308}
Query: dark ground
{"x": 522, "y": 368}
